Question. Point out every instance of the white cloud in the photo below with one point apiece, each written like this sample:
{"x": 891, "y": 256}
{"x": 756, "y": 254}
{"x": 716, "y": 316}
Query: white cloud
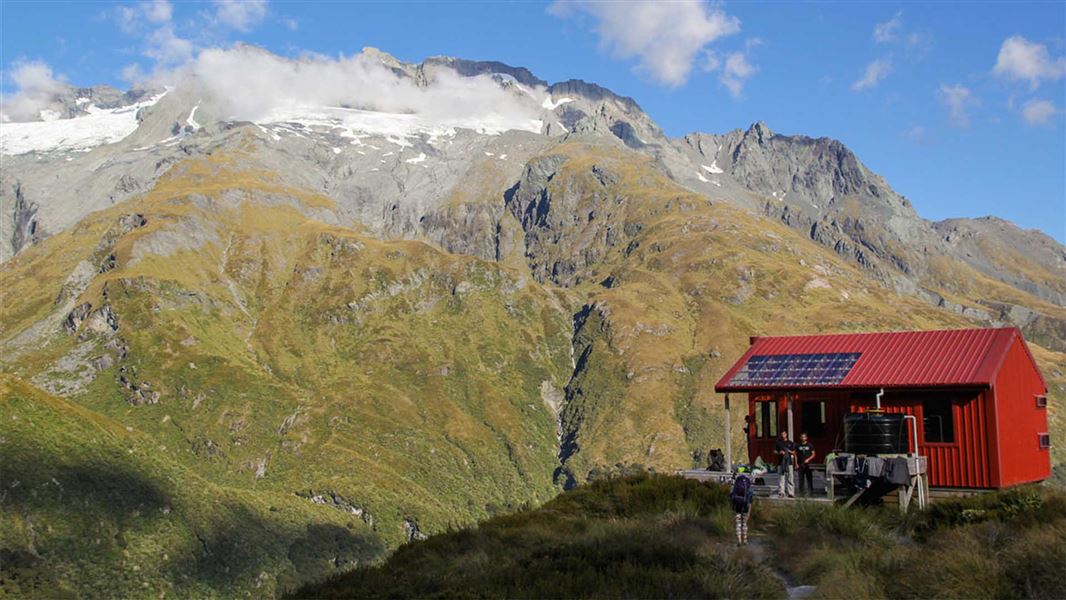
{"x": 1021, "y": 59}
{"x": 664, "y": 37}
{"x": 134, "y": 19}
{"x": 916, "y": 134}
{"x": 1039, "y": 112}
{"x": 242, "y": 15}
{"x": 166, "y": 48}
{"x": 889, "y": 30}
{"x": 132, "y": 73}
{"x": 158, "y": 11}
{"x": 248, "y": 83}
{"x": 35, "y": 88}
{"x": 153, "y": 22}
{"x": 958, "y": 99}
{"x": 736, "y": 67}
{"x": 873, "y": 74}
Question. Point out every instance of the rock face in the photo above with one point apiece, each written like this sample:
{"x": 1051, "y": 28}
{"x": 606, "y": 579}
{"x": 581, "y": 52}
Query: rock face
{"x": 449, "y": 190}
{"x": 1029, "y": 260}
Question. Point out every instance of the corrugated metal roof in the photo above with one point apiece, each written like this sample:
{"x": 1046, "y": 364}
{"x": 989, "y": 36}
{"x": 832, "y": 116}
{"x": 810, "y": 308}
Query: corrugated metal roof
{"x": 956, "y": 357}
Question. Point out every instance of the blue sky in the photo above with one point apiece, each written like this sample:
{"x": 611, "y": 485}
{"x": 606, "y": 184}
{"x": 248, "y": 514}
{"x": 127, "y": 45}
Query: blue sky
{"x": 959, "y": 105}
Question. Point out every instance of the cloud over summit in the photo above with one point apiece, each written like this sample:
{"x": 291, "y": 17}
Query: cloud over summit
{"x": 248, "y": 83}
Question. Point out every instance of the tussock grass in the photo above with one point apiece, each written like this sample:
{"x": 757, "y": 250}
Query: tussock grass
{"x": 1008, "y": 544}
{"x": 639, "y": 536}
{"x": 655, "y": 536}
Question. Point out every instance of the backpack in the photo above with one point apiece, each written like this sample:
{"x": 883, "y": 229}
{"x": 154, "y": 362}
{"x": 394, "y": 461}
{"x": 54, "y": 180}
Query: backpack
{"x": 742, "y": 491}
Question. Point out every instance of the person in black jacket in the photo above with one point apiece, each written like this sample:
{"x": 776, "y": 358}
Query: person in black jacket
{"x": 804, "y": 458}
{"x": 786, "y": 455}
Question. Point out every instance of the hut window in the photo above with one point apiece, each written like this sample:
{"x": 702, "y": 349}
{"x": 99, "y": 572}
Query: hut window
{"x": 1041, "y": 401}
{"x": 812, "y": 418}
{"x": 1045, "y": 440}
{"x": 766, "y": 419}
{"x": 938, "y": 421}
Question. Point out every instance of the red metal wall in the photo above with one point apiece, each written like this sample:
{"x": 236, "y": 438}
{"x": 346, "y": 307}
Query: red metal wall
{"x": 1020, "y": 458}
{"x": 966, "y": 462}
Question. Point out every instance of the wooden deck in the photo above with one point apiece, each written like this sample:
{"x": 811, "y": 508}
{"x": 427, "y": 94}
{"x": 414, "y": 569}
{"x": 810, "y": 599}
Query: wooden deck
{"x": 766, "y": 486}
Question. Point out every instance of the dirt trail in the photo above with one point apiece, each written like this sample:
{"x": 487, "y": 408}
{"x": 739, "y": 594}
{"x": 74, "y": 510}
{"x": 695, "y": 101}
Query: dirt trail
{"x": 760, "y": 552}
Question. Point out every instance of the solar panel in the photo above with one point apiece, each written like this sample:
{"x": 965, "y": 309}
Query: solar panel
{"x": 795, "y": 369}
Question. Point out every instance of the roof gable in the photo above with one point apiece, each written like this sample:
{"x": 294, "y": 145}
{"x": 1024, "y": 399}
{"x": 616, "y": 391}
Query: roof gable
{"x": 956, "y": 357}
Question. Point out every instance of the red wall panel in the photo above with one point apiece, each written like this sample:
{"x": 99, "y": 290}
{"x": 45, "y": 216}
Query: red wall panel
{"x": 1020, "y": 458}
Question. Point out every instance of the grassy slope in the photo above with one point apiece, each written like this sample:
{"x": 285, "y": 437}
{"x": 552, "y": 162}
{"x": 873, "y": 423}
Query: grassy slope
{"x": 295, "y": 358}
{"x": 92, "y": 507}
{"x": 292, "y": 357}
{"x": 665, "y": 537}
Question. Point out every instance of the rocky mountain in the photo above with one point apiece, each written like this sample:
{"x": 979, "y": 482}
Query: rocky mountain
{"x": 370, "y": 318}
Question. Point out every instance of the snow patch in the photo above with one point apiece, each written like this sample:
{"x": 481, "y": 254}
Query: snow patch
{"x": 191, "y": 121}
{"x": 714, "y": 169}
{"x": 272, "y": 135}
{"x": 702, "y": 178}
{"x": 101, "y": 126}
{"x": 397, "y": 128}
{"x": 421, "y": 157}
{"x": 548, "y": 104}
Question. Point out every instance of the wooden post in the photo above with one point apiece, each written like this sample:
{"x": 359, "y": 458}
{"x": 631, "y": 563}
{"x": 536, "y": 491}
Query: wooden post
{"x": 791, "y": 438}
{"x": 905, "y": 492}
{"x": 728, "y": 437}
{"x": 791, "y": 434}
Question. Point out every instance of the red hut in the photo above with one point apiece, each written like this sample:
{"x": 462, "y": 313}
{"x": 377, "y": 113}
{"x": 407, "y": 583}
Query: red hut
{"x": 979, "y": 399}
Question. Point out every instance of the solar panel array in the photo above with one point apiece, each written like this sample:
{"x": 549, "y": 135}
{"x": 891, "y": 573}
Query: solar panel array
{"x": 795, "y": 369}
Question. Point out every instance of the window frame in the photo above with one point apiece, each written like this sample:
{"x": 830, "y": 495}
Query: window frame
{"x": 765, "y": 417}
{"x": 950, "y": 403}
{"x": 1043, "y": 440}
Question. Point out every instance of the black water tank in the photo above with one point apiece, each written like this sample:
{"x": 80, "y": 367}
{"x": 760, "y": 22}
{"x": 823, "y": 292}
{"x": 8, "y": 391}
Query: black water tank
{"x": 875, "y": 433}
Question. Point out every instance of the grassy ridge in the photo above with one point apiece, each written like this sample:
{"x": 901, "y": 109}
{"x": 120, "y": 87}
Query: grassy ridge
{"x": 643, "y": 537}
{"x": 91, "y": 508}
{"x": 665, "y": 537}
{"x": 271, "y": 357}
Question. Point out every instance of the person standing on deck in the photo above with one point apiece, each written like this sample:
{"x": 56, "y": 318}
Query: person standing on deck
{"x": 786, "y": 454}
{"x": 804, "y": 457}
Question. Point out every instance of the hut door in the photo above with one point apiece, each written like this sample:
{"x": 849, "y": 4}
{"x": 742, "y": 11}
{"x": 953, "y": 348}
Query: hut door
{"x": 812, "y": 419}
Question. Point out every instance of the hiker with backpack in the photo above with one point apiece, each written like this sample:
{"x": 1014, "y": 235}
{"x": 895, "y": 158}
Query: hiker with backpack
{"x": 742, "y": 496}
